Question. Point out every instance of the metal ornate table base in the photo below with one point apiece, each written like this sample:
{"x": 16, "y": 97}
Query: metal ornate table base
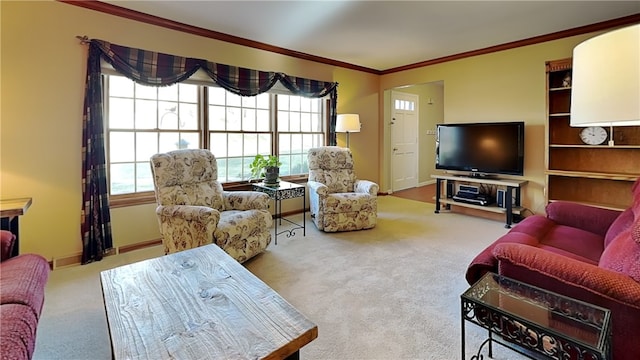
{"x": 282, "y": 191}
{"x": 534, "y": 322}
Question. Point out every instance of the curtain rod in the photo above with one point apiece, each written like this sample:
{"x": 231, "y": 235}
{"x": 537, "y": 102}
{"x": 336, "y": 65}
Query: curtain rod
{"x": 83, "y": 39}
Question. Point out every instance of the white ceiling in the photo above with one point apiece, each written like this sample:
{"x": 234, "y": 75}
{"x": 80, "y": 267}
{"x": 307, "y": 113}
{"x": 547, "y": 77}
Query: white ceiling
{"x": 382, "y": 35}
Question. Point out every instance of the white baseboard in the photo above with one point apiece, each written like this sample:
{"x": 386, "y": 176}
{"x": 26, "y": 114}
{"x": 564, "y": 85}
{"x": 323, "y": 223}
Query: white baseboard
{"x": 76, "y": 259}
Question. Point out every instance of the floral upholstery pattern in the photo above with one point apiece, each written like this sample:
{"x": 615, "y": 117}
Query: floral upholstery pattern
{"x": 339, "y": 201}
{"x": 193, "y": 209}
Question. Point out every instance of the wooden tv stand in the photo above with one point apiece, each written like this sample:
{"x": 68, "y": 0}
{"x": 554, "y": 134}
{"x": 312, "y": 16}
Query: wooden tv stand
{"x": 511, "y": 187}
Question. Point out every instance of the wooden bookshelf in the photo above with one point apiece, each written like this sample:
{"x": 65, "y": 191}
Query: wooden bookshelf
{"x": 598, "y": 175}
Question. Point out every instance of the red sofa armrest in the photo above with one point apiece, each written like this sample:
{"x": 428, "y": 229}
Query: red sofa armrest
{"x": 7, "y": 239}
{"x": 486, "y": 262}
{"x": 569, "y": 277}
{"x": 585, "y": 217}
{"x": 573, "y": 273}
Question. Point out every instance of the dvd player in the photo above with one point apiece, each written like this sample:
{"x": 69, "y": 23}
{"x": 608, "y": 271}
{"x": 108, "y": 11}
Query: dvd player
{"x": 470, "y": 198}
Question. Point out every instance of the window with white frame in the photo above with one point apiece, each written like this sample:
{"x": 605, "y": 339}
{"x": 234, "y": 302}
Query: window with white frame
{"x": 143, "y": 120}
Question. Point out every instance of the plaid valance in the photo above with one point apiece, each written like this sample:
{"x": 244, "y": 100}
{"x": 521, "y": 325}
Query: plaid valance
{"x": 158, "y": 69}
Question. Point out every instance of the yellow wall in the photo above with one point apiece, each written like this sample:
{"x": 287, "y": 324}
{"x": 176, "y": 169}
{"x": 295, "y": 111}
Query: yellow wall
{"x": 501, "y": 86}
{"x": 43, "y": 68}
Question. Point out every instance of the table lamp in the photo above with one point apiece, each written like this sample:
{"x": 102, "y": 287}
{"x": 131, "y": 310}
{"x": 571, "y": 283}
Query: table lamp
{"x": 606, "y": 80}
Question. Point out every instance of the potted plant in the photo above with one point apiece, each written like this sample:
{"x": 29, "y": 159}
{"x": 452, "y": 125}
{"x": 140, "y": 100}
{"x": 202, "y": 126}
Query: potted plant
{"x": 267, "y": 166}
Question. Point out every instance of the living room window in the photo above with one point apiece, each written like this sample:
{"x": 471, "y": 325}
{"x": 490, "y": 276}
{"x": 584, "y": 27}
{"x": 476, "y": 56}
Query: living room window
{"x": 143, "y": 120}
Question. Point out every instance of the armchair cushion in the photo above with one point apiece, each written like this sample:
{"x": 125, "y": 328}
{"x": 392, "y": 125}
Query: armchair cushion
{"x": 187, "y": 178}
{"x": 186, "y": 227}
{"x": 245, "y": 200}
{"x": 347, "y": 202}
{"x": 332, "y": 166}
{"x": 236, "y": 226}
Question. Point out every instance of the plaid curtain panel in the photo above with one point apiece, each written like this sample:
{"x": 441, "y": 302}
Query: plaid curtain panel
{"x": 157, "y": 69}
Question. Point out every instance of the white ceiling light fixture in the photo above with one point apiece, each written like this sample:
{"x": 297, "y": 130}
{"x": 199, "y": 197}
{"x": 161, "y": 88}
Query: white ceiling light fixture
{"x": 606, "y": 80}
{"x": 348, "y": 123}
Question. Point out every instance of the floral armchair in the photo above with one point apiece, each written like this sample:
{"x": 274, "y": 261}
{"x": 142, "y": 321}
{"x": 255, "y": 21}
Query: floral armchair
{"x": 339, "y": 201}
{"x": 193, "y": 210}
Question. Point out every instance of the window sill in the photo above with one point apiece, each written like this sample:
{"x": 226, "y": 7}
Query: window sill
{"x": 149, "y": 197}
{"x": 141, "y": 198}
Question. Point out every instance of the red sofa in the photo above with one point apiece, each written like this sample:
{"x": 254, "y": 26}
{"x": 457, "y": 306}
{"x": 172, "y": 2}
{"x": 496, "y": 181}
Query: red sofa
{"x": 583, "y": 252}
{"x": 22, "y": 283}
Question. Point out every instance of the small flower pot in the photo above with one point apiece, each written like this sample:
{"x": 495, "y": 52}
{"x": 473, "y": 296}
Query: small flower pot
{"x": 271, "y": 175}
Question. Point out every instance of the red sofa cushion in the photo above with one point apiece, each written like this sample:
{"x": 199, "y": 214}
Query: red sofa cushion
{"x": 580, "y": 216}
{"x": 17, "y": 331}
{"x": 623, "y": 255}
{"x": 23, "y": 279}
{"x": 622, "y": 223}
{"x": 7, "y": 239}
{"x": 565, "y": 240}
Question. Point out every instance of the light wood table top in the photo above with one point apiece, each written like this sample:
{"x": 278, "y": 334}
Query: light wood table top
{"x": 14, "y": 207}
{"x": 198, "y": 304}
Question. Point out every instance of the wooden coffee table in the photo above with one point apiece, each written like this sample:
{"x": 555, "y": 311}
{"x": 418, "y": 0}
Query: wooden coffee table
{"x": 198, "y": 304}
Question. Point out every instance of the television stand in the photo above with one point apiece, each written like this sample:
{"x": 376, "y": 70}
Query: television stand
{"x": 511, "y": 198}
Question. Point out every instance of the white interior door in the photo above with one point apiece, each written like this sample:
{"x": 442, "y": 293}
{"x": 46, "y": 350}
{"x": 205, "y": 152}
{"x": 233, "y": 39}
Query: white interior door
{"x": 404, "y": 141}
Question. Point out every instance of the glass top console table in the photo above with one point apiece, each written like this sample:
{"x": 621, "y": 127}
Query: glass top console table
{"x": 535, "y": 322}
{"x": 282, "y": 191}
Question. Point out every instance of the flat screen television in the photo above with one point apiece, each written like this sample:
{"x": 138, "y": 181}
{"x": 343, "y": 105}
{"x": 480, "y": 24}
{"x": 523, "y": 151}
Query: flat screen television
{"x": 482, "y": 149}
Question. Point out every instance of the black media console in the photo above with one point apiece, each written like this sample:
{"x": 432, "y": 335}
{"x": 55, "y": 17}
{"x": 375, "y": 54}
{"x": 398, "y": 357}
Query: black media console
{"x": 470, "y": 195}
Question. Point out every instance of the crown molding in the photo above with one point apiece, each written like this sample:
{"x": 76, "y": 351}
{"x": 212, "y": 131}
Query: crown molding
{"x": 174, "y": 25}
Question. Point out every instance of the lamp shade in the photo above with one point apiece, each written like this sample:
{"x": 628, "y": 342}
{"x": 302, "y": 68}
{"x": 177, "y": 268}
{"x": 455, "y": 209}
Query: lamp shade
{"x": 348, "y": 123}
{"x": 605, "y": 87}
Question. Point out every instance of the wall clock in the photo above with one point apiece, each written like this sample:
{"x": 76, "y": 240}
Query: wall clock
{"x": 593, "y": 135}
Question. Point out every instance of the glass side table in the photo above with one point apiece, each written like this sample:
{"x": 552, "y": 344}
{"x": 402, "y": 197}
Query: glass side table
{"x": 282, "y": 191}
{"x": 535, "y": 322}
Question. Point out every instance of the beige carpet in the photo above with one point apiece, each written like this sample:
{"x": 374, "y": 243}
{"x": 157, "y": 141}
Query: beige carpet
{"x": 392, "y": 292}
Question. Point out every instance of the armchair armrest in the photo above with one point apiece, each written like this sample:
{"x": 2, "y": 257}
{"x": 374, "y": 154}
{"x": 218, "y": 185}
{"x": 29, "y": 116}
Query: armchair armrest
{"x": 188, "y": 213}
{"x": 245, "y": 200}
{"x": 318, "y": 188}
{"x": 572, "y": 277}
{"x": 186, "y": 226}
{"x": 585, "y": 217}
{"x": 366, "y": 186}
